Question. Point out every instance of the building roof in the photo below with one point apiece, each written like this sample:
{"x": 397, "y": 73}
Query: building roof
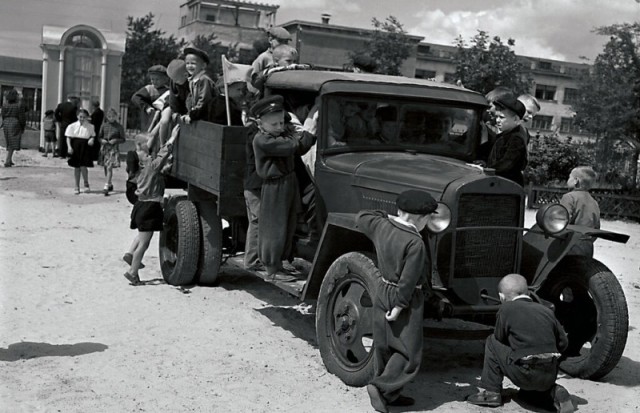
{"x": 31, "y": 67}
{"x": 333, "y": 27}
{"x": 234, "y": 3}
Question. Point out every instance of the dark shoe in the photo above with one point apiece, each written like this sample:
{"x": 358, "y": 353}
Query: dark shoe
{"x": 377, "y": 401}
{"x": 562, "y": 400}
{"x": 110, "y": 188}
{"x": 128, "y": 258}
{"x": 257, "y": 267}
{"x": 288, "y": 268}
{"x": 133, "y": 279}
{"x": 485, "y": 398}
{"x": 8, "y": 165}
{"x": 403, "y": 401}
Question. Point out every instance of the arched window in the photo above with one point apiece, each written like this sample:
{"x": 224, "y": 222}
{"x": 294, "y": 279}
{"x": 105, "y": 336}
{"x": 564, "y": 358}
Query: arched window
{"x": 82, "y": 69}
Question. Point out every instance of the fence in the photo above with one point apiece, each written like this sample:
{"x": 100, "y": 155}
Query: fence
{"x": 613, "y": 204}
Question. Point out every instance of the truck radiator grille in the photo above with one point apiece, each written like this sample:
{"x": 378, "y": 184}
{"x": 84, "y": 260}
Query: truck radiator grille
{"x": 486, "y": 252}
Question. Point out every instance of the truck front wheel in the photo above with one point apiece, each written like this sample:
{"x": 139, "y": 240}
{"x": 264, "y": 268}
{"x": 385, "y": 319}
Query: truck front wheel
{"x": 179, "y": 242}
{"x": 590, "y": 304}
{"x": 344, "y": 318}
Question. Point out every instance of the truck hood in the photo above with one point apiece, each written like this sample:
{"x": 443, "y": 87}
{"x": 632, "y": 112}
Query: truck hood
{"x": 427, "y": 172}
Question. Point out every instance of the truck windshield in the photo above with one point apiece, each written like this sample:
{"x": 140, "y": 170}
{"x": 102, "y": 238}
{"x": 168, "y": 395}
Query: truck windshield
{"x": 380, "y": 124}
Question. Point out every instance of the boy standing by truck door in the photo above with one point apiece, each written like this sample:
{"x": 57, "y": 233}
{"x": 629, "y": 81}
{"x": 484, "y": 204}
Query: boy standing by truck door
{"x": 275, "y": 147}
{"x": 399, "y": 302}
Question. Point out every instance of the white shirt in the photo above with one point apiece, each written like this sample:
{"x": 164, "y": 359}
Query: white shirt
{"x": 78, "y": 130}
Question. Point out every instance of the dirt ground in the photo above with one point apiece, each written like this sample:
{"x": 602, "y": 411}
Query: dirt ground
{"x": 76, "y": 337}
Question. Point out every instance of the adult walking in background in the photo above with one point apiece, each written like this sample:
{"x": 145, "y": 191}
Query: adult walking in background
{"x": 80, "y": 138}
{"x": 14, "y": 120}
{"x": 66, "y": 114}
{"x": 97, "y": 117}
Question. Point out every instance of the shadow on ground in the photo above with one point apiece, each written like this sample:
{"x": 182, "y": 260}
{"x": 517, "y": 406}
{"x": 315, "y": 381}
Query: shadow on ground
{"x": 26, "y": 350}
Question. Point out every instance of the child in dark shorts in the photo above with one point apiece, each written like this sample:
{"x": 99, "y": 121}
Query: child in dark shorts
{"x": 147, "y": 214}
{"x": 49, "y": 126}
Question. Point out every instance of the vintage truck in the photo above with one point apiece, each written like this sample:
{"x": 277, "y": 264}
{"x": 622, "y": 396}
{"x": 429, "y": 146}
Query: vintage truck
{"x": 426, "y": 140}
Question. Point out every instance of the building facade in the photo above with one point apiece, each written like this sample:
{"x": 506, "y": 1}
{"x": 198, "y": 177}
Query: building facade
{"x": 81, "y": 61}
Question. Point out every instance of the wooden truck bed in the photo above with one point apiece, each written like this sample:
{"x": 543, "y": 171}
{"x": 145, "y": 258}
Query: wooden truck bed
{"x": 211, "y": 157}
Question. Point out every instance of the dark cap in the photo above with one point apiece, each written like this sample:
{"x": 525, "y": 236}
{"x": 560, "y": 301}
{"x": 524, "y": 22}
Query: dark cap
{"x": 264, "y": 106}
{"x": 364, "y": 63}
{"x": 512, "y": 103}
{"x": 416, "y": 202}
{"x": 157, "y": 69}
{"x": 279, "y": 33}
{"x": 198, "y": 52}
{"x": 176, "y": 69}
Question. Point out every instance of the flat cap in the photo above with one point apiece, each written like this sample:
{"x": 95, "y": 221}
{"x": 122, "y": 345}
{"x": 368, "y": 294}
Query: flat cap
{"x": 176, "y": 69}
{"x": 157, "y": 69}
{"x": 279, "y": 33}
{"x": 416, "y": 202}
{"x": 198, "y": 52}
{"x": 512, "y": 103}
{"x": 267, "y": 105}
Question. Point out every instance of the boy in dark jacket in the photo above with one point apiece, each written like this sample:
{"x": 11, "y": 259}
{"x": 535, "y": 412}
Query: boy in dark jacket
{"x": 508, "y": 155}
{"x": 525, "y": 347}
{"x": 275, "y": 147}
{"x": 398, "y": 305}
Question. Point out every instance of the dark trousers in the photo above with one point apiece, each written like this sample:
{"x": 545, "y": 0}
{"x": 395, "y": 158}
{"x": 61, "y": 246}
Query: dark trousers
{"x": 397, "y": 344}
{"x": 62, "y": 140}
{"x": 279, "y": 206}
{"x": 252, "y": 201}
{"x": 498, "y": 363}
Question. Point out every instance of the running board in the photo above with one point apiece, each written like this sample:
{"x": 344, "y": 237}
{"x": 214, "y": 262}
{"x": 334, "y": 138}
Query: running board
{"x": 293, "y": 287}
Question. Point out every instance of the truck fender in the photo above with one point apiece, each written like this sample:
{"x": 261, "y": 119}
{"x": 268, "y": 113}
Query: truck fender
{"x": 339, "y": 236}
{"x": 542, "y": 253}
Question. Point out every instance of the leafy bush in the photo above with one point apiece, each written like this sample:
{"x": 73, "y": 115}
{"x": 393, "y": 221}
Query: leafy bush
{"x": 551, "y": 160}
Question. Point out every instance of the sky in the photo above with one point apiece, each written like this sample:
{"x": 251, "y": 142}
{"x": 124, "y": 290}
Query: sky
{"x": 554, "y": 29}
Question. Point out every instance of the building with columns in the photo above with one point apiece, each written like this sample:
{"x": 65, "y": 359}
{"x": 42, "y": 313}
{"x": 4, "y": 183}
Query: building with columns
{"x": 81, "y": 61}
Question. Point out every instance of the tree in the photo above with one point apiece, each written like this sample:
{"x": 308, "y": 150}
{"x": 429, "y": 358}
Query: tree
{"x": 488, "y": 63}
{"x": 609, "y": 96}
{"x": 388, "y": 45}
{"x": 145, "y": 47}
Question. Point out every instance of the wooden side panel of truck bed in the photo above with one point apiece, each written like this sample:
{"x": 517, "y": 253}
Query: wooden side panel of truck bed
{"x": 212, "y": 158}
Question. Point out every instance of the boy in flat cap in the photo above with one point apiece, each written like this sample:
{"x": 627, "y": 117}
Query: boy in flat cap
{"x": 176, "y": 104}
{"x": 276, "y": 36}
{"x": 508, "y": 155}
{"x": 145, "y": 96}
{"x": 275, "y": 147}
{"x": 399, "y": 301}
{"x": 201, "y": 87}
{"x": 525, "y": 347}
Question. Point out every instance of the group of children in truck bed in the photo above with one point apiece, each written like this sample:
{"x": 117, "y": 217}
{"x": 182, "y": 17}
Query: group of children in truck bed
{"x": 184, "y": 93}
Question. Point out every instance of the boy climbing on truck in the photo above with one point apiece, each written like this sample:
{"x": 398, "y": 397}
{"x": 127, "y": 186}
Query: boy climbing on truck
{"x": 275, "y": 147}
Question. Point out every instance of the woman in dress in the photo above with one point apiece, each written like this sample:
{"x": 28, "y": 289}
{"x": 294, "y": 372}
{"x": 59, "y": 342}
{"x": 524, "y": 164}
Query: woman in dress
{"x": 110, "y": 136}
{"x": 14, "y": 120}
{"x": 80, "y": 137}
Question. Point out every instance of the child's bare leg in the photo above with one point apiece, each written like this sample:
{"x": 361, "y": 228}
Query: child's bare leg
{"x": 164, "y": 125}
{"x": 134, "y": 244}
{"x": 109, "y": 174}
{"x": 85, "y": 176}
{"x": 76, "y": 175}
{"x": 144, "y": 238}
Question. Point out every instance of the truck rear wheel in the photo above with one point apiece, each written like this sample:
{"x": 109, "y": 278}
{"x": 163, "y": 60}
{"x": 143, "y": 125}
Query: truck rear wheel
{"x": 591, "y": 306}
{"x": 344, "y": 318}
{"x": 210, "y": 243}
{"x": 179, "y": 242}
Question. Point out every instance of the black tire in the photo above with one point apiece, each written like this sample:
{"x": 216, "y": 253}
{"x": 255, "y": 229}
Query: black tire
{"x": 179, "y": 242}
{"x": 344, "y": 318}
{"x": 590, "y": 304}
{"x": 210, "y": 243}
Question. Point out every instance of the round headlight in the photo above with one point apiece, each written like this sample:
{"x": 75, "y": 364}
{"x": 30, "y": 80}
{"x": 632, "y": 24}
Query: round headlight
{"x": 440, "y": 220}
{"x": 552, "y": 218}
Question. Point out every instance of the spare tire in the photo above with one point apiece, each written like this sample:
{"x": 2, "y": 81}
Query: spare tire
{"x": 179, "y": 242}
